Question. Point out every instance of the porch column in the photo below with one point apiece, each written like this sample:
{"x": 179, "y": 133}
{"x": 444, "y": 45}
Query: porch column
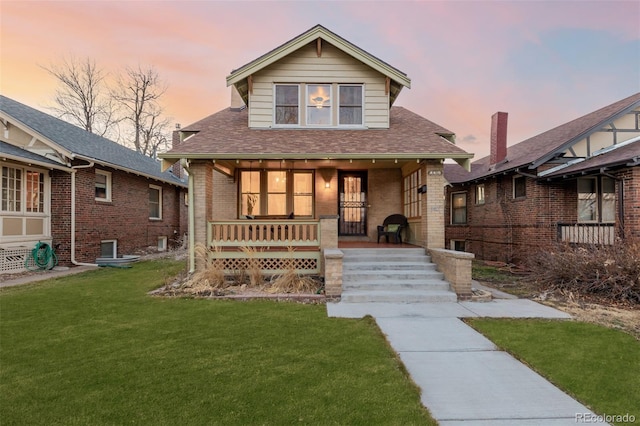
{"x": 202, "y": 203}
{"x": 432, "y": 220}
{"x": 328, "y": 230}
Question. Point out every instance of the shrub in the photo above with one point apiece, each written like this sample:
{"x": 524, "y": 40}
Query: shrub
{"x": 609, "y": 272}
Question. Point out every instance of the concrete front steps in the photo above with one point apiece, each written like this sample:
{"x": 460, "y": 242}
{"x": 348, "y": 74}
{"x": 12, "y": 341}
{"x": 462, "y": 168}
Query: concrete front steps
{"x": 397, "y": 275}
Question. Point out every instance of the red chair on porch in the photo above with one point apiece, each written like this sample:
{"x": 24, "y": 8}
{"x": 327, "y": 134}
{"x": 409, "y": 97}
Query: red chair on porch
{"x": 393, "y": 226}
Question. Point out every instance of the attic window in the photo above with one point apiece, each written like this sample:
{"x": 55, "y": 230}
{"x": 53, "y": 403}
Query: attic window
{"x": 319, "y": 104}
{"x": 287, "y": 104}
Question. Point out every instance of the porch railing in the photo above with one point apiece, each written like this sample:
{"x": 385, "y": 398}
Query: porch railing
{"x": 587, "y": 233}
{"x": 275, "y": 245}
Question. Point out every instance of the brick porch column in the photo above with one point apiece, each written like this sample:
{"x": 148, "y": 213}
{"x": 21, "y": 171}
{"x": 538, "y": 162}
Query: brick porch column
{"x": 328, "y": 230}
{"x": 202, "y": 201}
{"x": 432, "y": 220}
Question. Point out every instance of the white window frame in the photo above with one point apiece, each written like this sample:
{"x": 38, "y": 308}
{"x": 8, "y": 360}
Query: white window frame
{"x": 361, "y": 124}
{"x": 108, "y": 189}
{"x": 308, "y": 105}
{"x": 159, "y": 189}
{"x": 275, "y": 123}
{"x": 114, "y": 254}
{"x": 162, "y": 243}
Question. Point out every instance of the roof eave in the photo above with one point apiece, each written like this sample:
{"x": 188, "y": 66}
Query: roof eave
{"x": 128, "y": 170}
{"x": 275, "y": 55}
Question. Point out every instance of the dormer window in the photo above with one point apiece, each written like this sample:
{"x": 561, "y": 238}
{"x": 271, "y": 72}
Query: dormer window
{"x": 286, "y": 107}
{"x": 319, "y": 104}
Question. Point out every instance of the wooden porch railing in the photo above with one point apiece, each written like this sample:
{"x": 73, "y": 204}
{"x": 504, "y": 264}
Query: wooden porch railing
{"x": 274, "y": 243}
{"x": 587, "y": 233}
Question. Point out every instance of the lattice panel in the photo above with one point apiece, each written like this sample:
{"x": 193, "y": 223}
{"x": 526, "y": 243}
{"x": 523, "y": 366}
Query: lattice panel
{"x": 12, "y": 259}
{"x": 272, "y": 265}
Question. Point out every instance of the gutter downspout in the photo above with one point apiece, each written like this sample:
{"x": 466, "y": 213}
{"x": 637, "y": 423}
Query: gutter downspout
{"x": 73, "y": 214}
{"x": 191, "y": 217}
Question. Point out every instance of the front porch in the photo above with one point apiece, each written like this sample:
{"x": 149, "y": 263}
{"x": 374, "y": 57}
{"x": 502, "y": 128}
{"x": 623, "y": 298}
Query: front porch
{"x": 314, "y": 248}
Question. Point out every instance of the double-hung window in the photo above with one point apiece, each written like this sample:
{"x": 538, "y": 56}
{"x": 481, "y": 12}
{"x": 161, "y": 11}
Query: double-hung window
{"x": 287, "y": 110}
{"x": 276, "y": 193}
{"x": 155, "y": 202}
{"x": 103, "y": 185}
{"x": 596, "y": 199}
{"x": 350, "y": 105}
{"x": 480, "y": 194}
{"x": 319, "y": 104}
{"x": 459, "y": 208}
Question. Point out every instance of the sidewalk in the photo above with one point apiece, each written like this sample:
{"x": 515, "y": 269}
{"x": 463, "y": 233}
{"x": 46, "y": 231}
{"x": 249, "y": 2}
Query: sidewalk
{"x": 44, "y": 275}
{"x": 463, "y": 377}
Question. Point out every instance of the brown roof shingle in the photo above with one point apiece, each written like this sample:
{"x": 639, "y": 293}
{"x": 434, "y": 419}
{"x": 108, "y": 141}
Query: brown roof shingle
{"x": 546, "y": 144}
{"x": 227, "y": 133}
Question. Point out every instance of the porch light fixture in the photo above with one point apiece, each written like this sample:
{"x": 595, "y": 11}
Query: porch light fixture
{"x": 373, "y": 161}
{"x": 327, "y": 184}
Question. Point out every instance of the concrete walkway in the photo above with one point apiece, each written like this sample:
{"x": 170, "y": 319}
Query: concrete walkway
{"x": 463, "y": 377}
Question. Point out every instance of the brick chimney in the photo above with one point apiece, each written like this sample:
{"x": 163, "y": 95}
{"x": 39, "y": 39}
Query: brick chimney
{"x": 498, "y": 137}
{"x": 176, "y": 168}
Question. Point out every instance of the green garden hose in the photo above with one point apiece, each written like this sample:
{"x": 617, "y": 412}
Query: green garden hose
{"x": 43, "y": 257}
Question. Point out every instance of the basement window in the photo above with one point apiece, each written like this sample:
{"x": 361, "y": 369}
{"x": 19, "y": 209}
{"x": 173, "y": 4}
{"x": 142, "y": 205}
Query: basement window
{"x": 109, "y": 249}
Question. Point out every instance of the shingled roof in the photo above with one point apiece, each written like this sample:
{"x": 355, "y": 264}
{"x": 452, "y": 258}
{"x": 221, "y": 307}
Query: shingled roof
{"x": 532, "y": 152}
{"x": 226, "y": 135}
{"x": 83, "y": 144}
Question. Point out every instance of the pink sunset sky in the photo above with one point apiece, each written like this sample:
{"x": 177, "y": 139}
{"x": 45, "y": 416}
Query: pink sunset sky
{"x": 543, "y": 62}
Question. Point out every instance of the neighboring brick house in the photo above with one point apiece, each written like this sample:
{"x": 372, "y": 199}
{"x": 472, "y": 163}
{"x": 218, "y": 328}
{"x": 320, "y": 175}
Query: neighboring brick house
{"x": 313, "y": 152}
{"x": 84, "y": 195}
{"x": 578, "y": 183}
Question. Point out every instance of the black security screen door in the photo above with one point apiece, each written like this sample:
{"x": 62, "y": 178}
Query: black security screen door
{"x": 352, "y": 203}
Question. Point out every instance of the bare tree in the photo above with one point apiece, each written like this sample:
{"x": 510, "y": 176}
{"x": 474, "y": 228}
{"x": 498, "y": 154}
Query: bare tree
{"x": 81, "y": 98}
{"x": 138, "y": 93}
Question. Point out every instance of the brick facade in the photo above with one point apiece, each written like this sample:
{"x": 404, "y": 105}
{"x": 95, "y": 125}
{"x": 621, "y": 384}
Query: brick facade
{"x": 125, "y": 218}
{"x": 507, "y": 229}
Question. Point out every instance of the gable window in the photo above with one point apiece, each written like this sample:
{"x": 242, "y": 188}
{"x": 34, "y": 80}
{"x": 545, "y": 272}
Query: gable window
{"x": 596, "y": 199}
{"x": 319, "y": 104}
{"x": 287, "y": 104}
{"x": 411, "y": 197}
{"x": 350, "y": 105}
{"x": 519, "y": 187}
{"x": 155, "y": 202}
{"x": 276, "y": 193}
{"x": 103, "y": 185}
{"x": 459, "y": 208}
{"x": 480, "y": 194}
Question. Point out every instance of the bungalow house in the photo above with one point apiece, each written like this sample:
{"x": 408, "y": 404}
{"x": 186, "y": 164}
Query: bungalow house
{"x": 85, "y": 196}
{"x": 312, "y": 153}
{"x": 576, "y": 183}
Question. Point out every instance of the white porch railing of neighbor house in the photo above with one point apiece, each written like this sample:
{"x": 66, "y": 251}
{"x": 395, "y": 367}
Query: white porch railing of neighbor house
{"x": 587, "y": 233}
{"x": 272, "y": 243}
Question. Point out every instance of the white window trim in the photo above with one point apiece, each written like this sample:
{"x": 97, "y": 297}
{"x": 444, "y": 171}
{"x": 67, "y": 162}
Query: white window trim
{"x": 359, "y": 126}
{"x": 107, "y": 199}
{"x": 162, "y": 243}
{"x": 274, "y": 105}
{"x": 159, "y": 189}
{"x": 115, "y": 248}
{"x": 307, "y": 105}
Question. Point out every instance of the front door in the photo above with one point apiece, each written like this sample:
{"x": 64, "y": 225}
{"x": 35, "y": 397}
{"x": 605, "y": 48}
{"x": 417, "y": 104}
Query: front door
{"x": 352, "y": 203}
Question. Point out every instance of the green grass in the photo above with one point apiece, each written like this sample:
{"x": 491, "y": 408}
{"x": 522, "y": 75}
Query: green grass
{"x": 96, "y": 349}
{"x": 597, "y": 365}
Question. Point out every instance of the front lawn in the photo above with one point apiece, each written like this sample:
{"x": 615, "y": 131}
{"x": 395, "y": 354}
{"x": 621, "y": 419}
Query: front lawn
{"x": 598, "y": 366}
{"x": 96, "y": 349}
